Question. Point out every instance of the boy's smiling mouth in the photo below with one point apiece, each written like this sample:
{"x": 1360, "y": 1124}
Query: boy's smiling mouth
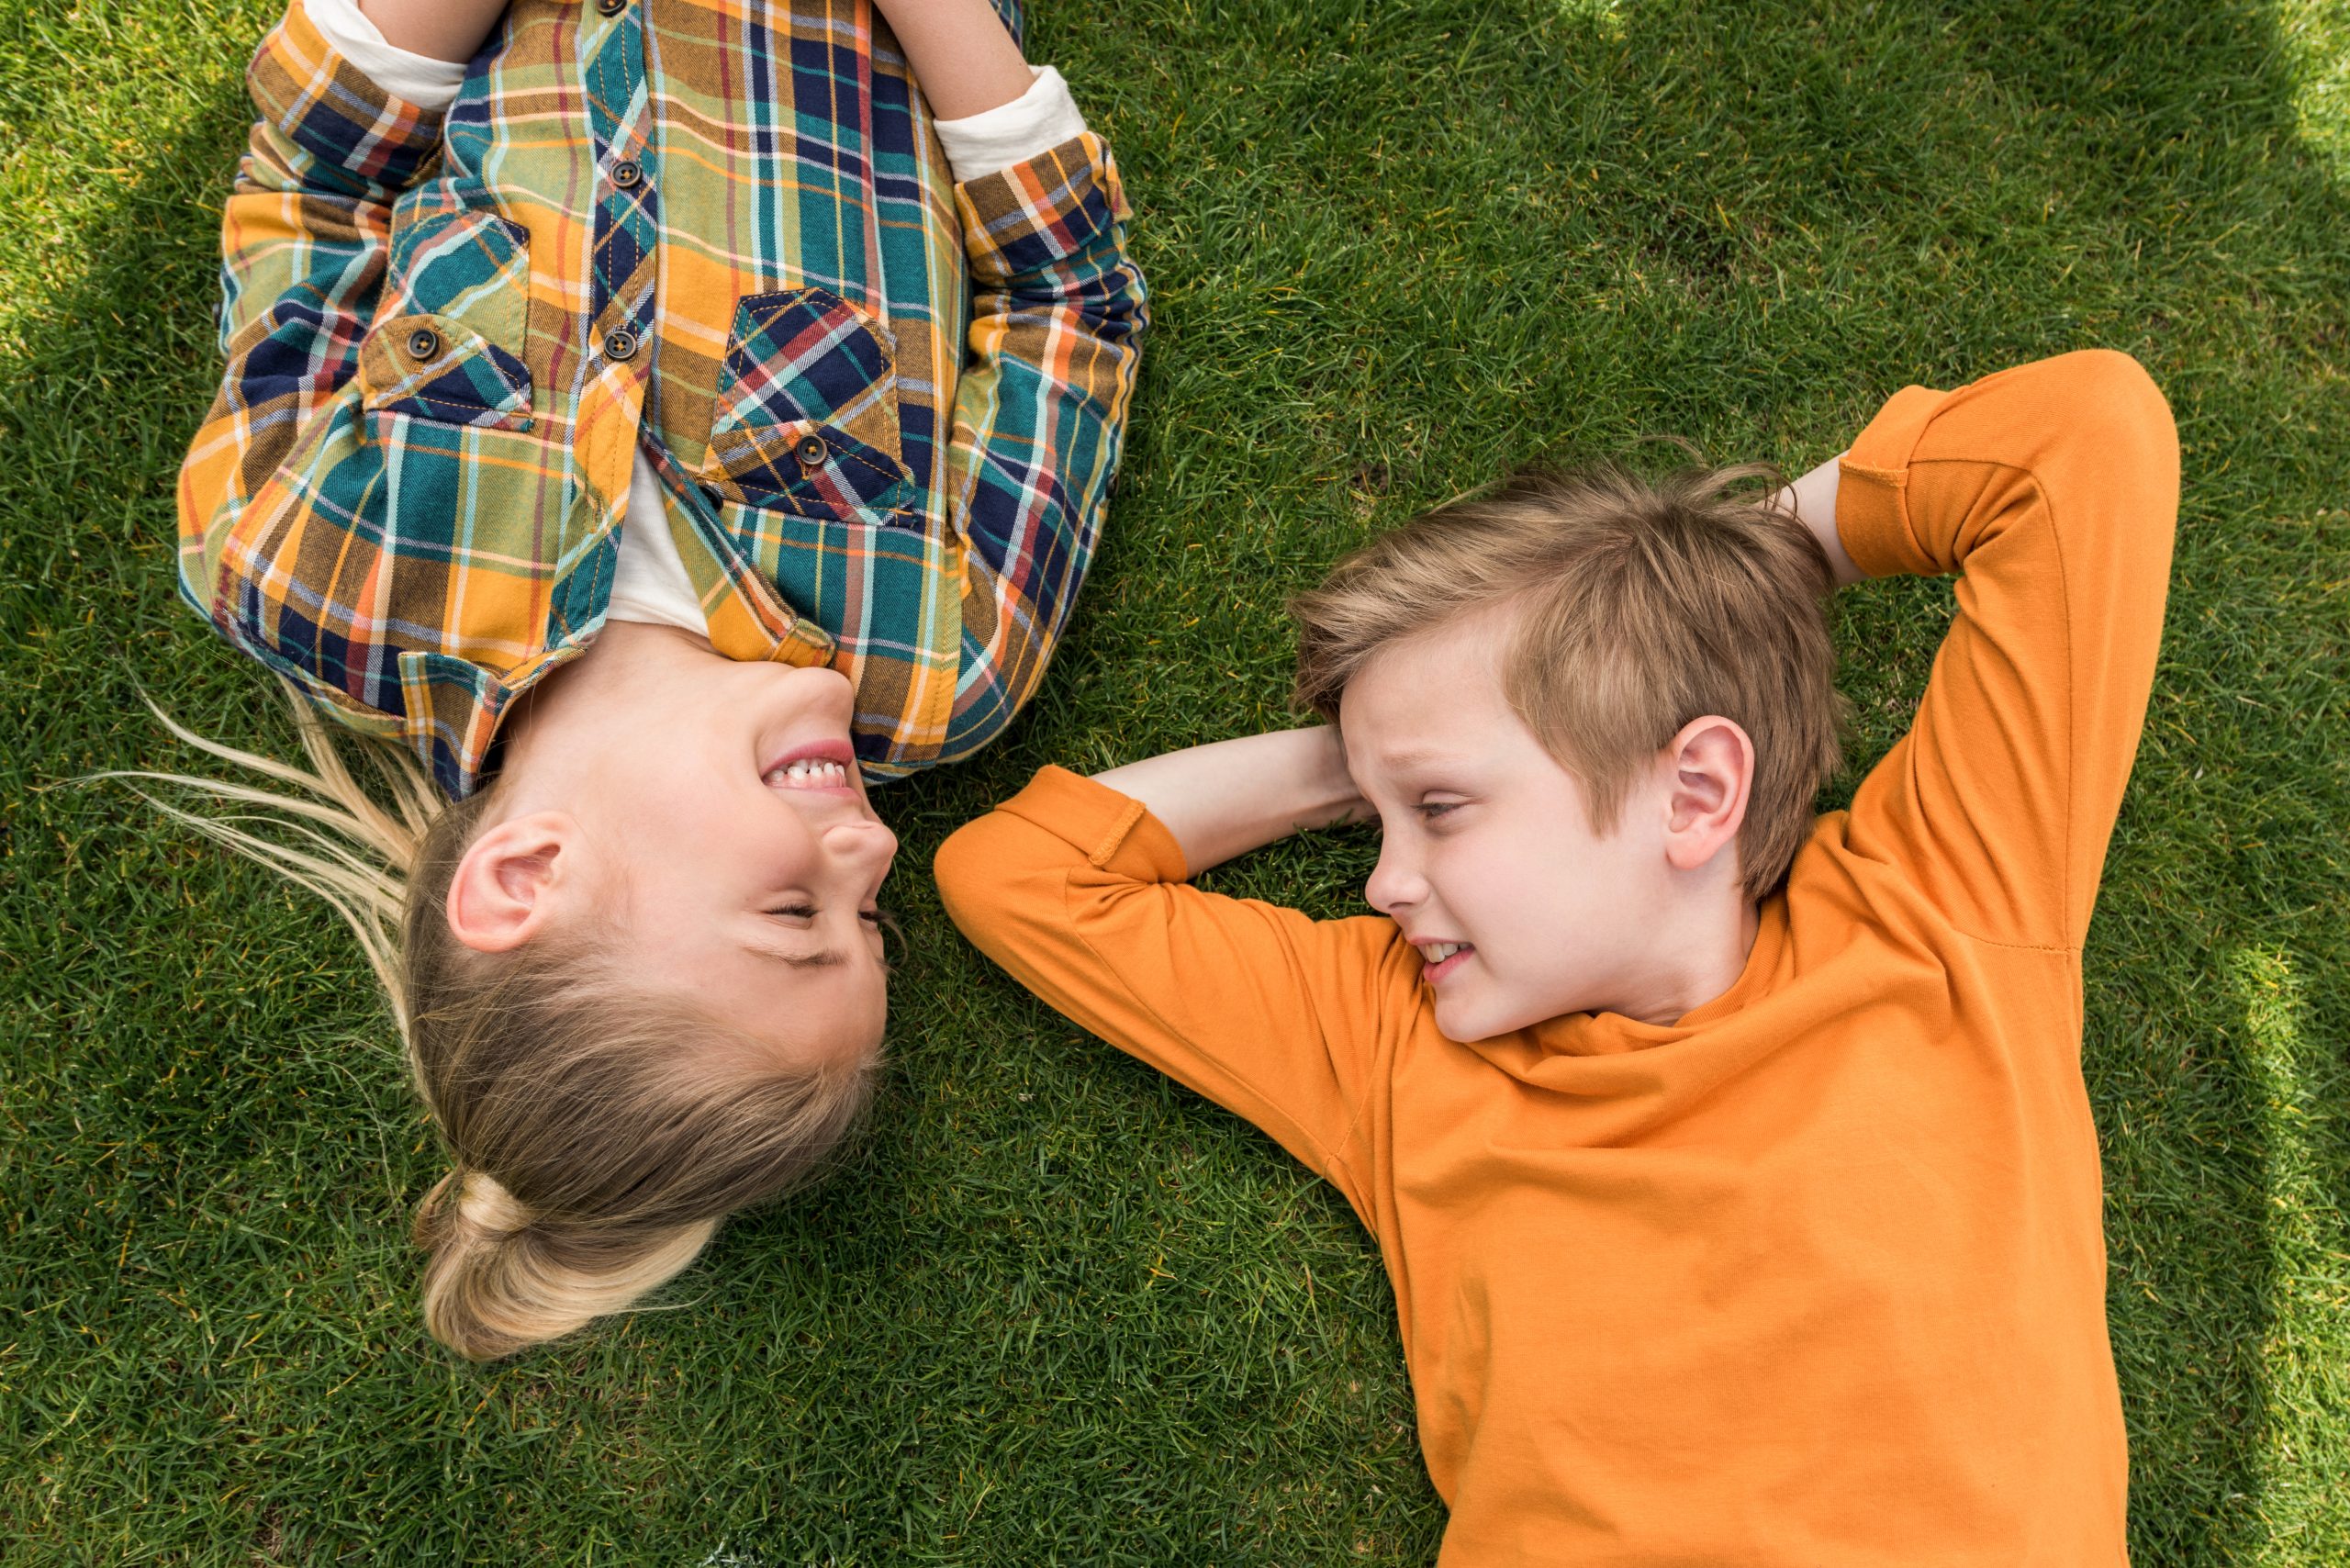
{"x": 1440, "y": 959}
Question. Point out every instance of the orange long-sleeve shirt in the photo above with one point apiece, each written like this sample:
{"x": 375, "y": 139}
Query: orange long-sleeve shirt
{"x": 1815, "y": 1275}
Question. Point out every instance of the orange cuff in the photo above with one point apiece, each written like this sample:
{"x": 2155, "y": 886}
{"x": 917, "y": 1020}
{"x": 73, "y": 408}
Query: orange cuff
{"x": 1115, "y": 832}
{"x": 1872, "y": 486}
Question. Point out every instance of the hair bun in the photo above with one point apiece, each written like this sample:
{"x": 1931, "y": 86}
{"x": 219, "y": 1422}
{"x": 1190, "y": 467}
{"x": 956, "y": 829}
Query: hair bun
{"x": 483, "y": 1202}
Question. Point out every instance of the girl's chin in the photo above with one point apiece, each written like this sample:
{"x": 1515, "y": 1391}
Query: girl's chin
{"x": 807, "y": 713}
{"x": 816, "y": 699}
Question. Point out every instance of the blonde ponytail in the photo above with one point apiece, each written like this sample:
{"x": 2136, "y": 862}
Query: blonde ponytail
{"x": 594, "y": 1157}
{"x": 500, "y": 1280}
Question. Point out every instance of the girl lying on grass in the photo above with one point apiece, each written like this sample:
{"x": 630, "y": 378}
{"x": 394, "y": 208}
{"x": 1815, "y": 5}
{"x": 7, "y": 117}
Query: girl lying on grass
{"x": 647, "y": 432}
{"x": 1733, "y": 1167}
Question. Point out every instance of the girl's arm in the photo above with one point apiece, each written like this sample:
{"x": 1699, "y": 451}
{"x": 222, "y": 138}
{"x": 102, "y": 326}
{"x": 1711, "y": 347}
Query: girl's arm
{"x": 304, "y": 242}
{"x": 1225, "y": 799}
{"x": 1058, "y": 310}
{"x": 443, "y": 29}
{"x": 961, "y": 52}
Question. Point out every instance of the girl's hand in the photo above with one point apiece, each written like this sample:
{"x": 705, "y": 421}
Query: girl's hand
{"x": 963, "y": 57}
{"x": 1226, "y": 799}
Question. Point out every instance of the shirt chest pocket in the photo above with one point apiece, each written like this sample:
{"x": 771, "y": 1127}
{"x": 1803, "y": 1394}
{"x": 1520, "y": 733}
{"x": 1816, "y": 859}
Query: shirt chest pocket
{"x": 806, "y": 420}
{"x": 446, "y": 347}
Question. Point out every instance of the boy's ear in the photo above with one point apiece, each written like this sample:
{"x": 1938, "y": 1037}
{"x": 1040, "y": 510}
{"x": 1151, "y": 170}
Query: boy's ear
{"x": 511, "y": 878}
{"x": 1710, "y": 773}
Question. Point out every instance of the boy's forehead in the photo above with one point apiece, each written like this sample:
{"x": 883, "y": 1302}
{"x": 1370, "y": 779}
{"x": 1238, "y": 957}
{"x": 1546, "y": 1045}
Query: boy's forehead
{"x": 1435, "y": 693}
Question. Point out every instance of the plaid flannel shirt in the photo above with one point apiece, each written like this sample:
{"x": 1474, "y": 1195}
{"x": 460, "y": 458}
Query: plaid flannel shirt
{"x": 885, "y": 408}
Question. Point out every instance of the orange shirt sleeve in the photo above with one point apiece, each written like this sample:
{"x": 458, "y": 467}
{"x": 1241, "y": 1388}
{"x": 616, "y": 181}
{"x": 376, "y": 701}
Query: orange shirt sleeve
{"x": 2053, "y": 489}
{"x": 1079, "y": 891}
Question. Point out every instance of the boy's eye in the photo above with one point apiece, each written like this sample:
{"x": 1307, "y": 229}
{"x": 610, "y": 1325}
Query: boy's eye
{"x": 1431, "y": 810}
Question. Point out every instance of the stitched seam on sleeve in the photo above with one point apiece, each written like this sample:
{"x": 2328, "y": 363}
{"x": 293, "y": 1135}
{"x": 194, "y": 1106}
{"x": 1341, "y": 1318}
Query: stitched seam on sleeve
{"x": 1355, "y": 1116}
{"x": 2072, "y": 711}
{"x": 2013, "y": 947}
{"x": 1898, "y": 481}
{"x": 1100, "y": 857}
{"x": 2064, "y": 594}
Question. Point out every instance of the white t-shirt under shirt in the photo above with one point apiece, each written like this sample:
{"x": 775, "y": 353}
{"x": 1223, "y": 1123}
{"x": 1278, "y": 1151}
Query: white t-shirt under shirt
{"x": 650, "y": 582}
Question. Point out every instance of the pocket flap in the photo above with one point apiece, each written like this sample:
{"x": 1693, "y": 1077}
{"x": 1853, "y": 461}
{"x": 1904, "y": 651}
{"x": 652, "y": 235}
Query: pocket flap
{"x": 807, "y": 418}
{"x": 473, "y": 266}
{"x": 433, "y": 367}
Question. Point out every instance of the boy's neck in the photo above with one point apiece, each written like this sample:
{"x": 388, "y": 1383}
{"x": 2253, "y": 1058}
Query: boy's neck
{"x": 1709, "y": 945}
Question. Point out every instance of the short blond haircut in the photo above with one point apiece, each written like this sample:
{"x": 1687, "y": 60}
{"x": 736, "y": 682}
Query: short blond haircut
{"x": 1637, "y": 606}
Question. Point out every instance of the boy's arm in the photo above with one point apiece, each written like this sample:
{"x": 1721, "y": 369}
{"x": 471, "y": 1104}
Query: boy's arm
{"x": 2053, "y": 489}
{"x": 1811, "y": 500}
{"x": 304, "y": 244}
{"x": 1078, "y": 889}
{"x": 1230, "y": 797}
{"x": 1058, "y": 308}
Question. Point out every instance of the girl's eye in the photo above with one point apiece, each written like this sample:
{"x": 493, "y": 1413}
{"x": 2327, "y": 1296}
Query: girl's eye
{"x": 1431, "y": 810}
{"x": 808, "y": 912}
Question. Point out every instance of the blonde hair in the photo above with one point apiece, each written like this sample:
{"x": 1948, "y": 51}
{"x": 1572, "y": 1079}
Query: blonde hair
{"x": 598, "y": 1131}
{"x": 1639, "y": 606}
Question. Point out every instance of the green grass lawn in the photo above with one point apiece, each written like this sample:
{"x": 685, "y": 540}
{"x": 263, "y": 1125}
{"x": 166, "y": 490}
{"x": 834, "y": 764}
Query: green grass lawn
{"x": 1056, "y": 1310}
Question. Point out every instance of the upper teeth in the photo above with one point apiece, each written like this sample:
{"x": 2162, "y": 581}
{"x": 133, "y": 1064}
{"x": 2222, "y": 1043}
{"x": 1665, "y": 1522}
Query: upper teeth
{"x": 809, "y": 773}
{"x": 1438, "y": 952}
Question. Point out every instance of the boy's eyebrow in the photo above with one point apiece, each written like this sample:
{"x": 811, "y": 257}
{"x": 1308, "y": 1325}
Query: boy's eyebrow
{"x": 1414, "y": 759}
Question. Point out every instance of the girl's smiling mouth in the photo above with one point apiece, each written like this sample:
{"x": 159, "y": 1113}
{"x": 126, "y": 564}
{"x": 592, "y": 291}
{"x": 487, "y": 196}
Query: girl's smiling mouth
{"x": 827, "y": 767}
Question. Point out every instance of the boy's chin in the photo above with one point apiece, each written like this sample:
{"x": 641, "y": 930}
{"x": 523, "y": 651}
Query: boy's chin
{"x": 1469, "y": 1019}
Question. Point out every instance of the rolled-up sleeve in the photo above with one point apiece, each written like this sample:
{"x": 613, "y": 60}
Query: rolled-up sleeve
{"x": 1059, "y": 310}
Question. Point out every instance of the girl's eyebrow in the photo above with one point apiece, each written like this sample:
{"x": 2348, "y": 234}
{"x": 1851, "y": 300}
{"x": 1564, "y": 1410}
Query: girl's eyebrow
{"x": 817, "y": 960}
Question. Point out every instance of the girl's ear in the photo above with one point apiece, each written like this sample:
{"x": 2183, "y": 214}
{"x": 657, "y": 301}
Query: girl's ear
{"x": 511, "y": 879}
{"x": 1711, "y": 768}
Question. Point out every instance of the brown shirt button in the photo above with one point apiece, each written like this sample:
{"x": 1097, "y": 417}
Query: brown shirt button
{"x": 424, "y": 342}
{"x": 620, "y": 344}
{"x": 811, "y": 451}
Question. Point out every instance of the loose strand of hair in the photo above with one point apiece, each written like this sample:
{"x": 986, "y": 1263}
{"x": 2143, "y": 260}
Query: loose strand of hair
{"x": 360, "y": 865}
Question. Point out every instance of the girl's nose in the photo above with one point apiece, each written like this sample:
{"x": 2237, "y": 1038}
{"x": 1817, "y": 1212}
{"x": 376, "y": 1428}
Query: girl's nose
{"x": 862, "y": 839}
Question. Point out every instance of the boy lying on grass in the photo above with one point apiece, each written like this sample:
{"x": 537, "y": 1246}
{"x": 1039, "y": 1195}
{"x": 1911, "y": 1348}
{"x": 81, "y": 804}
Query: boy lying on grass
{"x": 1733, "y": 1167}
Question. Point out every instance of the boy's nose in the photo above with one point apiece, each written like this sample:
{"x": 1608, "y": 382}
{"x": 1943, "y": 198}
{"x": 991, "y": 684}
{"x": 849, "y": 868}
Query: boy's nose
{"x": 1393, "y": 886}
